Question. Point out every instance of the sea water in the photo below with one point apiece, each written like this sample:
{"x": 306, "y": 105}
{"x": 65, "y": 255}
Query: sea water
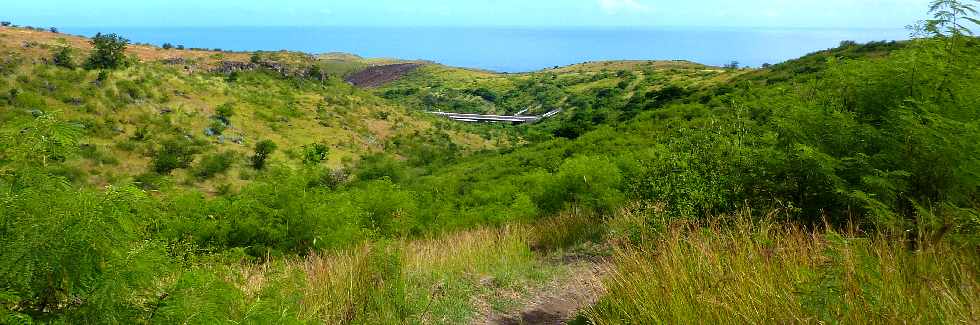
{"x": 517, "y": 49}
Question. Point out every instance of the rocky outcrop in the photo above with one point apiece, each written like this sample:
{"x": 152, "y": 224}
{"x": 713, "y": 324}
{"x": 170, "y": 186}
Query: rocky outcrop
{"x": 228, "y": 67}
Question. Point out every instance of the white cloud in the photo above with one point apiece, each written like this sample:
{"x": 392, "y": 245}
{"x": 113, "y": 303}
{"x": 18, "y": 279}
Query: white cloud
{"x": 613, "y": 7}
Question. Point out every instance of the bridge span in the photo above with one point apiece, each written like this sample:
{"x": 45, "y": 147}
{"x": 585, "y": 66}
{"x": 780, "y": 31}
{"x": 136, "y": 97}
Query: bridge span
{"x": 477, "y": 118}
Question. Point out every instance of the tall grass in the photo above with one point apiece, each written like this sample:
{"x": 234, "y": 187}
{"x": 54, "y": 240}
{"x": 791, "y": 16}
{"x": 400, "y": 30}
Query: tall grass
{"x": 433, "y": 281}
{"x": 736, "y": 270}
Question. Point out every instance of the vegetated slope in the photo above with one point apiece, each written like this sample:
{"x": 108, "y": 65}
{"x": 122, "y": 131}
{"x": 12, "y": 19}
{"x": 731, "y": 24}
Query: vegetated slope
{"x": 441, "y": 88}
{"x": 208, "y": 108}
{"x": 855, "y": 142}
{"x": 884, "y": 138}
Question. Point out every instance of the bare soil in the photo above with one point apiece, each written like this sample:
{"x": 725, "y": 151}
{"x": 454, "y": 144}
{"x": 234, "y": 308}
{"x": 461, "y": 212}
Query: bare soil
{"x": 378, "y": 76}
{"x": 560, "y": 301}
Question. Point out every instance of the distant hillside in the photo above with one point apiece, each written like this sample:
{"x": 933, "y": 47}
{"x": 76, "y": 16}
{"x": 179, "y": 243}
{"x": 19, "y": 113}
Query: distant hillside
{"x": 292, "y": 99}
{"x": 442, "y": 88}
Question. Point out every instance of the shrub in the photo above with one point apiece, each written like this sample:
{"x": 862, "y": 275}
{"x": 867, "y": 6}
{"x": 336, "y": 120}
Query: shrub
{"x": 151, "y": 181}
{"x": 225, "y": 112}
{"x": 263, "y": 149}
{"x": 380, "y": 166}
{"x": 109, "y": 52}
{"x": 316, "y": 153}
{"x": 174, "y": 154}
{"x": 101, "y": 78}
{"x": 217, "y": 127}
{"x": 53, "y": 30}
{"x": 167, "y": 46}
{"x": 591, "y": 182}
{"x": 5, "y": 23}
{"x": 78, "y": 255}
{"x": 64, "y": 57}
{"x": 214, "y": 164}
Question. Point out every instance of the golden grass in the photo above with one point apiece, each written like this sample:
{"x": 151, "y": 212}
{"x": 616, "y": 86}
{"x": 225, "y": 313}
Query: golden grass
{"x": 739, "y": 271}
{"x": 424, "y": 281}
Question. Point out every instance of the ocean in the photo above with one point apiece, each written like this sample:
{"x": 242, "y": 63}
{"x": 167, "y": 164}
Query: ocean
{"x": 517, "y": 49}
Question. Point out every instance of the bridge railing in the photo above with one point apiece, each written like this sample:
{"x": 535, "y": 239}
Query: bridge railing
{"x": 469, "y": 117}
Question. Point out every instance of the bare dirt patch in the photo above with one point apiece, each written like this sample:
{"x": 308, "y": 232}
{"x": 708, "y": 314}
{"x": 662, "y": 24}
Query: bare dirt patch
{"x": 377, "y": 76}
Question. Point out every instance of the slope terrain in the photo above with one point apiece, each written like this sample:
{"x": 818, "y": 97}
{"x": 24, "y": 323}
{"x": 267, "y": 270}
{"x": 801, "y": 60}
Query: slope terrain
{"x": 292, "y": 99}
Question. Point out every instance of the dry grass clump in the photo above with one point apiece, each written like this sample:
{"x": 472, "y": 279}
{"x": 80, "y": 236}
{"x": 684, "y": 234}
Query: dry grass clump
{"x": 424, "y": 281}
{"x": 736, "y": 270}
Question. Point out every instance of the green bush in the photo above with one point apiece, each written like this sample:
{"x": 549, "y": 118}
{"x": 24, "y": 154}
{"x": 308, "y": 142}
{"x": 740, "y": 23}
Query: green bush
{"x": 64, "y": 57}
{"x": 591, "y": 182}
{"x": 225, "y": 112}
{"x": 314, "y": 154}
{"x": 174, "y": 154}
{"x": 214, "y": 164}
{"x": 263, "y": 149}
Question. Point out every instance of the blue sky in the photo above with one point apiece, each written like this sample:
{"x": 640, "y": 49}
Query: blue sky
{"x": 552, "y": 13}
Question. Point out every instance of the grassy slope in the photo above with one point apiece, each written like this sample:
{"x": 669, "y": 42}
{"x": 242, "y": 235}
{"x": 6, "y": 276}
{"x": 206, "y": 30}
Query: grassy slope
{"x": 165, "y": 101}
{"x": 444, "y": 88}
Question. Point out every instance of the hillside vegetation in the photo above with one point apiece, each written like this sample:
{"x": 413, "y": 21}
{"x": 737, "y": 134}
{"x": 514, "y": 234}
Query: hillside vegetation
{"x": 838, "y": 187}
{"x": 214, "y": 105}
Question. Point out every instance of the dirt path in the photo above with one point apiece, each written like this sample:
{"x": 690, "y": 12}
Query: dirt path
{"x": 560, "y": 301}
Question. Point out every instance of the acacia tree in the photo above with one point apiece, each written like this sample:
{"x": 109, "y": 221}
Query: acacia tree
{"x": 109, "y": 52}
{"x": 949, "y": 18}
{"x": 949, "y": 25}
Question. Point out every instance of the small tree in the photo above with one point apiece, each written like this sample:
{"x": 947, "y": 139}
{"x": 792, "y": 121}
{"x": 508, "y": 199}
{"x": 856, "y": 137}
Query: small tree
{"x": 167, "y": 46}
{"x": 5, "y": 23}
{"x": 180, "y": 47}
{"x": 109, "y": 52}
{"x": 263, "y": 150}
{"x": 732, "y": 65}
{"x": 64, "y": 57}
{"x": 53, "y": 30}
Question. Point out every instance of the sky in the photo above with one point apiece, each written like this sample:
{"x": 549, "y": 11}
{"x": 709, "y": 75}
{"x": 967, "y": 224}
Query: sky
{"x": 464, "y": 13}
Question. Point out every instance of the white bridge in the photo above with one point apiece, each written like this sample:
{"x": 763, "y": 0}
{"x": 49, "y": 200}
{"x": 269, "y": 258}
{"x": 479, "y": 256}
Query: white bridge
{"x": 516, "y": 119}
